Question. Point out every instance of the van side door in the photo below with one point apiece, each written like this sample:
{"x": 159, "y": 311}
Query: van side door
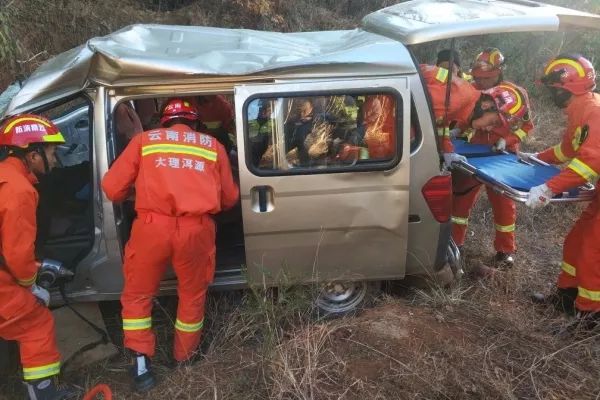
{"x": 324, "y": 179}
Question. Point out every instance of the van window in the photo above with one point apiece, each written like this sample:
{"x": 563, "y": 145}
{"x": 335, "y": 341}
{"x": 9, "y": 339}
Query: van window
{"x": 314, "y": 133}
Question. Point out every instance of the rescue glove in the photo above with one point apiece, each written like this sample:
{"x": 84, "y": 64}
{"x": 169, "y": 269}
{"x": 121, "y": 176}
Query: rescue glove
{"x": 42, "y": 295}
{"x": 500, "y": 145}
{"x": 450, "y": 158}
{"x": 526, "y": 156}
{"x": 539, "y": 196}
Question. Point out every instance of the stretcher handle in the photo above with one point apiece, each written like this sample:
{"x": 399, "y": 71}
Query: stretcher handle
{"x": 586, "y": 192}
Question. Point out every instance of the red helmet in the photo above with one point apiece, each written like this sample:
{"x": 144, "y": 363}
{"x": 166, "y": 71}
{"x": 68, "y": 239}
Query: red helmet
{"x": 573, "y": 73}
{"x": 512, "y": 104}
{"x": 179, "y": 108}
{"x": 23, "y": 130}
{"x": 489, "y": 63}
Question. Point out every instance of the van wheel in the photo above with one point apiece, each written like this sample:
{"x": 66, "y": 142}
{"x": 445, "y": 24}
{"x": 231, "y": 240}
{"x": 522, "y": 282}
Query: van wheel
{"x": 342, "y": 298}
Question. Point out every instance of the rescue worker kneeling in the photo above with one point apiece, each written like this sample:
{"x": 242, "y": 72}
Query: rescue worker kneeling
{"x": 181, "y": 177}
{"x": 571, "y": 80}
{"x": 28, "y": 143}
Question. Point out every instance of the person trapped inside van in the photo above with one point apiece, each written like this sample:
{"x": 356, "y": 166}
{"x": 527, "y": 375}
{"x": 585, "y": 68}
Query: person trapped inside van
{"x": 501, "y": 112}
{"x": 181, "y": 177}
{"x": 28, "y": 144}
{"x": 297, "y": 129}
{"x": 571, "y": 80}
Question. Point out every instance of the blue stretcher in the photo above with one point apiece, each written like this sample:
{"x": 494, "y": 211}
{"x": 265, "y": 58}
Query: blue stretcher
{"x": 510, "y": 176}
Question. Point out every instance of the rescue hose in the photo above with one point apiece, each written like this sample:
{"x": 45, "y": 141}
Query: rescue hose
{"x": 102, "y": 389}
{"x": 104, "y": 339}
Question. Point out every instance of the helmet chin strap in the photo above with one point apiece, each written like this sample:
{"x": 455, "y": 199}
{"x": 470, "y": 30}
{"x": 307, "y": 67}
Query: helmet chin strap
{"x": 560, "y": 97}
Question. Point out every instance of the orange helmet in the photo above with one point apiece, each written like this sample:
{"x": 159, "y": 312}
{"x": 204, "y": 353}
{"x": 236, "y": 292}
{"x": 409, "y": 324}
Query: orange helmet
{"x": 26, "y": 129}
{"x": 179, "y": 108}
{"x": 512, "y": 104}
{"x": 489, "y": 63}
{"x": 573, "y": 73}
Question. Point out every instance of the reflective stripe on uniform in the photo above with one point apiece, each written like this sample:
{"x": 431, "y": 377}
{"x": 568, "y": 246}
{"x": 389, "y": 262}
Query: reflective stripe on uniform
{"x": 593, "y": 295}
{"x": 443, "y": 132}
{"x": 179, "y": 149}
{"x": 583, "y": 170}
{"x": 460, "y": 221}
{"x": 568, "y": 269}
{"x": 27, "y": 282}
{"x": 576, "y": 142}
{"x": 187, "y": 327}
{"x": 43, "y": 371}
{"x": 521, "y": 134}
{"x": 442, "y": 75}
{"x": 505, "y": 228}
{"x": 558, "y": 153}
{"x": 136, "y": 324}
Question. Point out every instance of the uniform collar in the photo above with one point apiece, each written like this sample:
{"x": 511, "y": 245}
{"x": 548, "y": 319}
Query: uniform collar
{"x": 577, "y": 102}
{"x": 21, "y": 168}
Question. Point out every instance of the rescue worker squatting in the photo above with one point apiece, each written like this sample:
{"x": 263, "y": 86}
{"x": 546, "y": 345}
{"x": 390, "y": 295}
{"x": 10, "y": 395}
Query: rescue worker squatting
{"x": 181, "y": 177}
{"x": 28, "y": 143}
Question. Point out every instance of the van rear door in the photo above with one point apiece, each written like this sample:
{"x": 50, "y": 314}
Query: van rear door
{"x": 421, "y": 21}
{"x": 324, "y": 179}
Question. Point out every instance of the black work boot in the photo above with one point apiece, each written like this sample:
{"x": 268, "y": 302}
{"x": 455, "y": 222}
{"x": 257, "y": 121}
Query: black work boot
{"x": 563, "y": 300}
{"x": 48, "y": 389}
{"x": 584, "y": 324}
{"x": 141, "y": 372}
{"x": 504, "y": 260}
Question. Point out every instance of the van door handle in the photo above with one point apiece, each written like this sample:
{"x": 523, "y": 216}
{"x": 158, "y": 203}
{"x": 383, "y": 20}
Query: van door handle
{"x": 262, "y": 198}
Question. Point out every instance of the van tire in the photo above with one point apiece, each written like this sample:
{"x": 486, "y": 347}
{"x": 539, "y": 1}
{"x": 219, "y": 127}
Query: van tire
{"x": 337, "y": 299}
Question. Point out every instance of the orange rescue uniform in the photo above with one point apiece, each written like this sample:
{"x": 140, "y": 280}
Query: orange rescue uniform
{"x": 22, "y": 317}
{"x": 580, "y": 148}
{"x": 379, "y": 118}
{"x": 463, "y": 97}
{"x": 181, "y": 177}
{"x": 216, "y": 112}
{"x": 466, "y": 191}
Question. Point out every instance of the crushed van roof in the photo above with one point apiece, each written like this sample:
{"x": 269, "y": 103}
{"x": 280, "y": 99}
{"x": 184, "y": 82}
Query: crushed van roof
{"x": 156, "y": 54}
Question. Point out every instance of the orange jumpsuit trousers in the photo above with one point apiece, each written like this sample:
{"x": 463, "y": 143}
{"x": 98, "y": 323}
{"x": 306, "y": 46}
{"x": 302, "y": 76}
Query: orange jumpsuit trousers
{"x": 181, "y": 177}
{"x": 189, "y": 243}
{"x": 580, "y": 150}
{"x": 466, "y": 191}
{"x": 22, "y": 318}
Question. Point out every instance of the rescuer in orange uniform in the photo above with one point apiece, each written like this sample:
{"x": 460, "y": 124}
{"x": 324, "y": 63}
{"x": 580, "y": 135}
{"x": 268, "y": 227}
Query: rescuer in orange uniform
{"x": 571, "y": 80}
{"x": 181, "y": 178}
{"x": 27, "y": 144}
{"x": 379, "y": 120}
{"x": 463, "y": 98}
{"x": 487, "y": 71}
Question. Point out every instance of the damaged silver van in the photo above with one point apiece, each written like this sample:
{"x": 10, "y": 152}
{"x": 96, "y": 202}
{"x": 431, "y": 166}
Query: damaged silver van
{"x": 342, "y": 218}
